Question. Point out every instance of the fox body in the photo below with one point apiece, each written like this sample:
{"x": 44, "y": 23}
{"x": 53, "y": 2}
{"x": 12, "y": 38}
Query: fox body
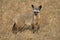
{"x": 22, "y": 22}
{"x": 28, "y": 20}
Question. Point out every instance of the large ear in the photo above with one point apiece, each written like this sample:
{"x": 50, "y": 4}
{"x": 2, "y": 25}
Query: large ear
{"x": 40, "y": 7}
{"x": 32, "y": 6}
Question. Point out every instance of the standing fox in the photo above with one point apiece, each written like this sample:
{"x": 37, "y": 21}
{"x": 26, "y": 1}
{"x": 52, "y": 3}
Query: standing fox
{"x": 35, "y": 24}
{"x": 29, "y": 19}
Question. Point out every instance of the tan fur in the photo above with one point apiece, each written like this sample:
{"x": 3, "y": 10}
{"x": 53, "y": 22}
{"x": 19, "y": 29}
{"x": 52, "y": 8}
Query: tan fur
{"x": 36, "y": 19}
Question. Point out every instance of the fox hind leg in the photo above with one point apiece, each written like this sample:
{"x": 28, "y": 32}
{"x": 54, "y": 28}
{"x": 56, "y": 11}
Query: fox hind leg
{"x": 14, "y": 29}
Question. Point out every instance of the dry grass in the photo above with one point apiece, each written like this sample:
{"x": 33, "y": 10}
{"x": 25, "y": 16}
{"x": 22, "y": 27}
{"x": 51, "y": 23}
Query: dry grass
{"x": 49, "y": 19}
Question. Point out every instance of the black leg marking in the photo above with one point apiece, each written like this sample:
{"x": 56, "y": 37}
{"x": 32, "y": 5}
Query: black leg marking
{"x": 35, "y": 28}
{"x": 38, "y": 27}
{"x": 14, "y": 29}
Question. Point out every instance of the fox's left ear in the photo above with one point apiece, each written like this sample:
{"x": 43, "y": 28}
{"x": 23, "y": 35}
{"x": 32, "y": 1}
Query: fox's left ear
{"x": 40, "y": 7}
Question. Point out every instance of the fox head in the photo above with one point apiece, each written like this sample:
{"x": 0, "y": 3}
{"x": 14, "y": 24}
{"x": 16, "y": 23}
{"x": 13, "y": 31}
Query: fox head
{"x": 36, "y": 10}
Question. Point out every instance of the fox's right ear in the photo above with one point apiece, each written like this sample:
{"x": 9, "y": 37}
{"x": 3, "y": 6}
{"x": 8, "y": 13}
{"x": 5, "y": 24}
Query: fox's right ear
{"x": 32, "y": 6}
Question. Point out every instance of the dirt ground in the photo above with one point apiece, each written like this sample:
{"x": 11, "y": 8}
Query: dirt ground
{"x": 49, "y": 19}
